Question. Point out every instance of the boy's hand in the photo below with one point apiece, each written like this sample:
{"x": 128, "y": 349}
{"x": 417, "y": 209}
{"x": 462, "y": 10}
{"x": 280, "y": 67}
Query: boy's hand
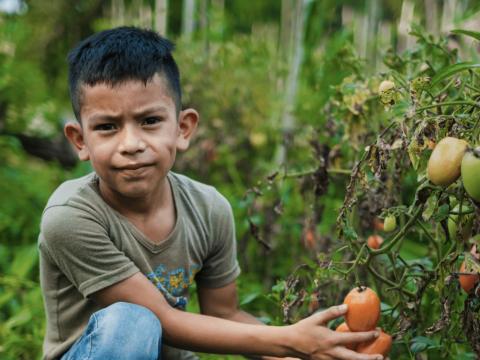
{"x": 312, "y": 340}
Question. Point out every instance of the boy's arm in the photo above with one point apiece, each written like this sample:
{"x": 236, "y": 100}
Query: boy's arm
{"x": 223, "y": 302}
{"x": 307, "y": 339}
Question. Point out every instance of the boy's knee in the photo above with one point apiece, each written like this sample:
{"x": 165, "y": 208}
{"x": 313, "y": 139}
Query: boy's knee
{"x": 129, "y": 329}
{"x": 123, "y": 315}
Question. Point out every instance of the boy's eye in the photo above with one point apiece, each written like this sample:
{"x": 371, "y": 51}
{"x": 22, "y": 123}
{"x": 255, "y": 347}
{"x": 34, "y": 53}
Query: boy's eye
{"x": 104, "y": 127}
{"x": 151, "y": 120}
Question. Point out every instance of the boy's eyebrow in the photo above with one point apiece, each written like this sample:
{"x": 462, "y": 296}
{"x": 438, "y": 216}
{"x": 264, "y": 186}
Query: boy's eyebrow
{"x": 149, "y": 110}
{"x": 103, "y": 117}
{"x": 136, "y": 114}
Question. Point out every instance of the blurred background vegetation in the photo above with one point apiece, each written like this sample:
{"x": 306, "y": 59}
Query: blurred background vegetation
{"x": 262, "y": 75}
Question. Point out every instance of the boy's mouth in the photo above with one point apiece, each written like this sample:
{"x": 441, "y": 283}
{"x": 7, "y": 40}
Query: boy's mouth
{"x": 134, "y": 171}
{"x": 134, "y": 166}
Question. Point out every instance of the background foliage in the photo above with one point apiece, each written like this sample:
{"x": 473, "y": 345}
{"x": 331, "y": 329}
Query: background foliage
{"x": 305, "y": 190}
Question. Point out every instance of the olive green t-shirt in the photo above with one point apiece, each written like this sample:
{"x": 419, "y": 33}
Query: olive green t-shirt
{"x": 85, "y": 246}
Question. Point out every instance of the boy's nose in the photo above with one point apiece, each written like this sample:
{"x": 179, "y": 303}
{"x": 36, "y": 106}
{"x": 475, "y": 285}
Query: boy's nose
{"x": 131, "y": 141}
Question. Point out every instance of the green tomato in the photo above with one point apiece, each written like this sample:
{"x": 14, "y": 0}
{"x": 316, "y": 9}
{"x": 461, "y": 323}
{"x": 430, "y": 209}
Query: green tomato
{"x": 471, "y": 174}
{"x": 390, "y": 223}
{"x": 445, "y": 161}
{"x": 467, "y": 223}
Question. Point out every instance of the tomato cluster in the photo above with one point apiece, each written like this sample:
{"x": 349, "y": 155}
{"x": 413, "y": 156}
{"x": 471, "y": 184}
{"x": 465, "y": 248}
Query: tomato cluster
{"x": 363, "y": 315}
{"x": 450, "y": 159}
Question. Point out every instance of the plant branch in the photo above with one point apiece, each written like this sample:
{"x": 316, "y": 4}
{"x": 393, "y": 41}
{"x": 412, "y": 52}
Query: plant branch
{"x": 448, "y": 103}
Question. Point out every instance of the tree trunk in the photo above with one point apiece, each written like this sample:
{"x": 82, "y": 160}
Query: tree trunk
{"x": 117, "y": 12}
{"x": 431, "y": 16}
{"x": 405, "y": 41}
{"x": 295, "y": 61}
{"x": 373, "y": 11}
{"x": 204, "y": 25}
{"x": 286, "y": 29}
{"x": 145, "y": 16}
{"x": 188, "y": 19}
{"x": 217, "y": 19}
{"x": 448, "y": 15}
{"x": 161, "y": 12}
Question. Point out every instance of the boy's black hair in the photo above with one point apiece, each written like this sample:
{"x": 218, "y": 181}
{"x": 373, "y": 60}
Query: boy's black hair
{"x": 120, "y": 54}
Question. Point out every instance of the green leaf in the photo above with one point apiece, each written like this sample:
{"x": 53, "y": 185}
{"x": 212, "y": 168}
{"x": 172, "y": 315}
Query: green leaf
{"x": 413, "y": 153}
{"x": 265, "y": 319}
{"x": 471, "y": 264}
{"x": 6, "y": 297}
{"x": 413, "y": 250}
{"x": 451, "y": 70}
{"x": 418, "y": 347}
{"x": 249, "y": 298}
{"x": 21, "y": 318}
{"x": 279, "y": 286}
{"x": 430, "y": 207}
{"x": 473, "y": 34}
{"x": 422, "y": 343}
{"x": 25, "y": 260}
{"x": 441, "y": 213}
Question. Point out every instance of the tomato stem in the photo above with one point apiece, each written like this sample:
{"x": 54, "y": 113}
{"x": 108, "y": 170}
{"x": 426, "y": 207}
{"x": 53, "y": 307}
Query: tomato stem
{"x": 399, "y": 234}
{"x": 432, "y": 240}
{"x": 447, "y": 103}
{"x": 389, "y": 282}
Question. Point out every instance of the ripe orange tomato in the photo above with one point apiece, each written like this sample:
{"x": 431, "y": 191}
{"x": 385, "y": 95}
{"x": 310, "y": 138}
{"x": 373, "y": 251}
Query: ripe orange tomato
{"x": 309, "y": 239}
{"x": 363, "y": 309}
{"x": 380, "y": 345}
{"x": 314, "y": 304}
{"x": 377, "y": 224}
{"x": 343, "y": 327}
{"x": 467, "y": 282}
{"x": 374, "y": 241}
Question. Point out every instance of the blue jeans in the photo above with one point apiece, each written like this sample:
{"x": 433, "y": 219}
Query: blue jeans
{"x": 119, "y": 331}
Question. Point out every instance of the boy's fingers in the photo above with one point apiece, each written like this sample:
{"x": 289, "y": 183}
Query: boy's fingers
{"x": 345, "y": 338}
{"x": 331, "y": 313}
{"x": 343, "y": 353}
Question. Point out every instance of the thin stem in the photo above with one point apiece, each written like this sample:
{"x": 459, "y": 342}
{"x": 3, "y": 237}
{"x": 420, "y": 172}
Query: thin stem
{"x": 357, "y": 259}
{"x": 476, "y": 129}
{"x": 399, "y": 235}
{"x": 394, "y": 267}
{"x": 446, "y": 87}
{"x": 389, "y": 282}
{"x": 432, "y": 240}
{"x": 448, "y": 103}
{"x": 471, "y": 87}
{"x": 447, "y": 254}
{"x": 312, "y": 171}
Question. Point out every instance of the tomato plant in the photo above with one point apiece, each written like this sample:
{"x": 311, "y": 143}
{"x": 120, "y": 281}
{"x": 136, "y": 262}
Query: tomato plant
{"x": 397, "y": 140}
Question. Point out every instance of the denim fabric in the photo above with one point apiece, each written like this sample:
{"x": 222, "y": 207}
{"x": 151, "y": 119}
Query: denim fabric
{"x": 119, "y": 331}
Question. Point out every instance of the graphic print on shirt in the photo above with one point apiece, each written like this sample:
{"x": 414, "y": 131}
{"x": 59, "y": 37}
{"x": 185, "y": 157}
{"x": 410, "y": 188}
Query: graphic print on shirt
{"x": 173, "y": 283}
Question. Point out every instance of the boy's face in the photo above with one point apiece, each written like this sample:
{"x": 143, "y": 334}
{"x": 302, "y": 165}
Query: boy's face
{"x": 130, "y": 133}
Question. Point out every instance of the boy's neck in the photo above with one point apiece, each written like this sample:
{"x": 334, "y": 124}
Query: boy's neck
{"x": 139, "y": 207}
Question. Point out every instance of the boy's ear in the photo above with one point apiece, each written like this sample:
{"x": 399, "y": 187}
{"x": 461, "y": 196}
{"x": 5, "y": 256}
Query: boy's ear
{"x": 187, "y": 124}
{"x": 74, "y": 133}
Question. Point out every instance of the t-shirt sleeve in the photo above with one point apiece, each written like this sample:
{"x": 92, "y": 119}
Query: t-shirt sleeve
{"x": 221, "y": 266}
{"x": 78, "y": 243}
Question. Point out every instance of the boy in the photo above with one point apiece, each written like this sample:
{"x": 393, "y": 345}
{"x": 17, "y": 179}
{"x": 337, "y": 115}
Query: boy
{"x": 120, "y": 247}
